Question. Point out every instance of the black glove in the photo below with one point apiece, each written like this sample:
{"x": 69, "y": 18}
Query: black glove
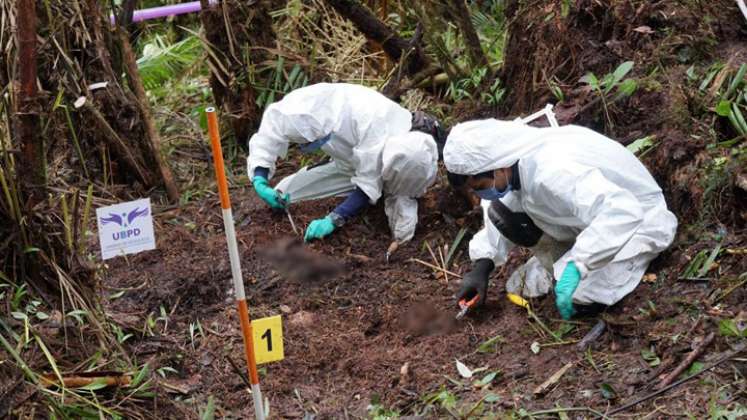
{"x": 476, "y": 281}
{"x": 516, "y": 227}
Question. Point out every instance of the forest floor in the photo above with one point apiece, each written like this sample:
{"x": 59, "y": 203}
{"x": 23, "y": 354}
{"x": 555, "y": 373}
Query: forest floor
{"x": 363, "y": 337}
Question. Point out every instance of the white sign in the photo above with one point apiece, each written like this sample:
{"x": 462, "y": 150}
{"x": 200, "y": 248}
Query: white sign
{"x": 125, "y": 228}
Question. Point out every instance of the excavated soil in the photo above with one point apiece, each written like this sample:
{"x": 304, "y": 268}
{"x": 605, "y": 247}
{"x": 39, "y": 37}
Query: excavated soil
{"x": 358, "y": 329}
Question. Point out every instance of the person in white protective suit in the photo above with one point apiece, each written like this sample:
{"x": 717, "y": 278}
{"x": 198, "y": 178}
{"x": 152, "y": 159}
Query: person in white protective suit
{"x": 587, "y": 207}
{"x": 373, "y": 147}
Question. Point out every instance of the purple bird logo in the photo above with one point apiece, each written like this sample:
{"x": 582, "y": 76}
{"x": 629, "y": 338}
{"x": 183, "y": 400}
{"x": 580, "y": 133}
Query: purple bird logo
{"x": 125, "y": 219}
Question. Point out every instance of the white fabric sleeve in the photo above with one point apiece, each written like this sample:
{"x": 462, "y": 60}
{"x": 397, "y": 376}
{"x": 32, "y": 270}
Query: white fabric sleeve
{"x": 488, "y": 242}
{"x": 402, "y": 213}
{"x": 268, "y": 143}
{"x": 608, "y": 215}
{"x": 368, "y": 168}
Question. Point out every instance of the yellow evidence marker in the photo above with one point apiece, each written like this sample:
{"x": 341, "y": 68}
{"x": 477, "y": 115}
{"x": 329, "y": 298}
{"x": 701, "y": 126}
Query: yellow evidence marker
{"x": 268, "y": 339}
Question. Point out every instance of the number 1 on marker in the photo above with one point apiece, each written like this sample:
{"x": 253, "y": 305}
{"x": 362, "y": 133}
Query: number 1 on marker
{"x": 268, "y": 339}
{"x": 268, "y": 336}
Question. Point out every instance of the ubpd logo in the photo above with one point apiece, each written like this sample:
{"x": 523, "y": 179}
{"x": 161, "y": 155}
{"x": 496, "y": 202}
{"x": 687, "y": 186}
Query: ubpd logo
{"x": 125, "y": 221}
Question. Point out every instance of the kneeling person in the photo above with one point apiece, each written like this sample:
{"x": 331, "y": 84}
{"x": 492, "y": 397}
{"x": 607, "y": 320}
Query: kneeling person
{"x": 589, "y": 210}
{"x": 372, "y": 149}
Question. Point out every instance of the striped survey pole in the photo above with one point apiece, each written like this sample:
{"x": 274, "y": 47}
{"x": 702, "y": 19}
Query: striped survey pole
{"x": 233, "y": 253}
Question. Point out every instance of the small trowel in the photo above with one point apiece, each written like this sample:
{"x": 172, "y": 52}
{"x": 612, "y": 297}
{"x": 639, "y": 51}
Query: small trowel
{"x": 465, "y": 306}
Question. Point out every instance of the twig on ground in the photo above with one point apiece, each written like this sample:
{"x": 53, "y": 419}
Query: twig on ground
{"x": 539, "y": 322}
{"x": 740, "y": 348}
{"x": 443, "y": 264}
{"x": 435, "y": 267}
{"x": 731, "y": 289}
{"x": 688, "y": 361}
{"x": 239, "y": 372}
{"x": 552, "y": 380}
{"x": 705, "y": 279}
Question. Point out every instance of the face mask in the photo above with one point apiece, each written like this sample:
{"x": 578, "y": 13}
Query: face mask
{"x": 492, "y": 193}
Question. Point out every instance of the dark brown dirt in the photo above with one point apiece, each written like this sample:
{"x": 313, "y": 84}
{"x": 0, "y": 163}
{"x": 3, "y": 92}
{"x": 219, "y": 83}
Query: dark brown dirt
{"x": 351, "y": 321}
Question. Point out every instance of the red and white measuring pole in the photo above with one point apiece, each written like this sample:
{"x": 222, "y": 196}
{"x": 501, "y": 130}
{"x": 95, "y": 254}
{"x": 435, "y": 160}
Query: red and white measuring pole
{"x": 233, "y": 253}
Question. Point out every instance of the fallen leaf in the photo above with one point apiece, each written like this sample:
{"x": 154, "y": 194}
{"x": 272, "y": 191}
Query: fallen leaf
{"x": 649, "y": 278}
{"x": 608, "y": 392}
{"x": 464, "y": 371}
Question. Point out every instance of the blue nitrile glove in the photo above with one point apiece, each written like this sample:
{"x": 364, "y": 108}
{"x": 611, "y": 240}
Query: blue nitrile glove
{"x": 564, "y": 289}
{"x": 268, "y": 194}
{"x": 319, "y": 228}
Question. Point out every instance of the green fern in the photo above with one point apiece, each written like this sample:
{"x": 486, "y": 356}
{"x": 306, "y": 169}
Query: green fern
{"x": 161, "y": 62}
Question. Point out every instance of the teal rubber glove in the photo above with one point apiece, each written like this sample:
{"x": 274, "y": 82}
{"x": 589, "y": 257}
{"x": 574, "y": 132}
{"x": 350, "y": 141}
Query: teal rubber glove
{"x": 268, "y": 194}
{"x": 319, "y": 228}
{"x": 564, "y": 289}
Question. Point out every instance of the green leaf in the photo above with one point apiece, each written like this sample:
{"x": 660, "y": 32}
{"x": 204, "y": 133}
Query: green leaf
{"x": 709, "y": 76}
{"x": 641, "y": 145}
{"x": 608, "y": 392}
{"x": 691, "y": 73}
{"x": 447, "y": 399}
{"x": 564, "y": 329}
{"x": 78, "y": 315}
{"x": 19, "y": 315}
{"x": 723, "y": 108}
{"x": 203, "y": 117}
{"x": 622, "y": 70}
{"x": 490, "y": 345}
{"x": 651, "y": 357}
{"x": 141, "y": 375}
{"x": 492, "y": 398}
{"x": 95, "y": 385}
{"x": 695, "y": 368}
{"x": 742, "y": 124}
{"x": 487, "y": 379}
{"x": 709, "y": 262}
{"x": 591, "y": 80}
{"x": 209, "y": 413}
{"x": 626, "y": 88}
{"x": 42, "y": 315}
{"x": 738, "y": 79}
{"x": 728, "y": 328}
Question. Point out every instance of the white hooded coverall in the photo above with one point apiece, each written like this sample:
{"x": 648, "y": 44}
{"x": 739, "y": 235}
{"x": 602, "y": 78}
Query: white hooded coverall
{"x": 368, "y": 136}
{"x": 596, "y": 203}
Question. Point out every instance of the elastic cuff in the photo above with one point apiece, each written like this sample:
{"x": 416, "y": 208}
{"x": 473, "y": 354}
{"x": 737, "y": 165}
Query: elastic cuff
{"x": 337, "y": 219}
{"x": 260, "y": 171}
{"x": 483, "y": 265}
{"x": 582, "y": 269}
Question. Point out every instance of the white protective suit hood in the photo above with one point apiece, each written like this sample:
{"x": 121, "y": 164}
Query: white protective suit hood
{"x": 484, "y": 145}
{"x": 409, "y": 167}
{"x": 357, "y": 119}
